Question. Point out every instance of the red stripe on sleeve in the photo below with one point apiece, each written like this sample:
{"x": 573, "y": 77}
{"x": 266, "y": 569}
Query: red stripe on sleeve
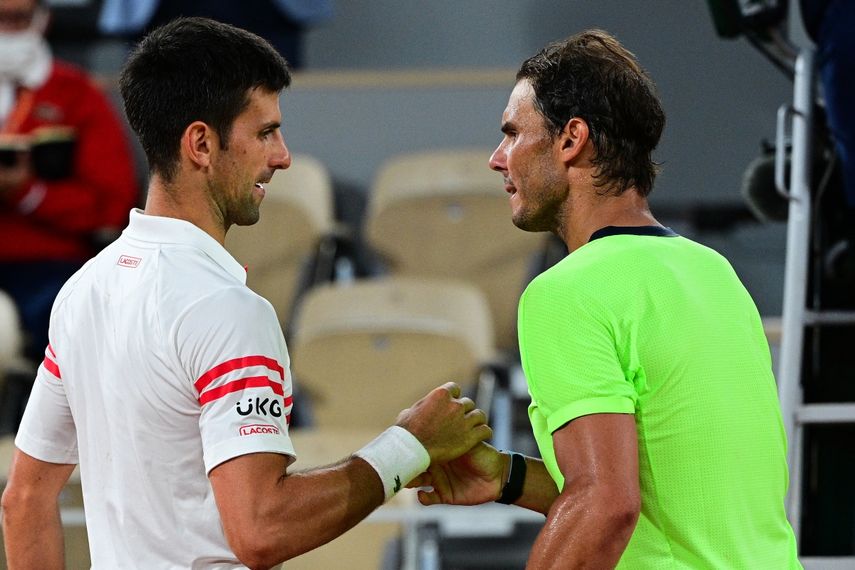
{"x": 52, "y": 367}
{"x": 52, "y": 353}
{"x": 241, "y": 384}
{"x": 236, "y": 364}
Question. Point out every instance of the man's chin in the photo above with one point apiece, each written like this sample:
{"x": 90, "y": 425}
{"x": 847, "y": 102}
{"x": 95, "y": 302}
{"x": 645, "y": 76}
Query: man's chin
{"x": 247, "y": 218}
{"x": 530, "y": 225}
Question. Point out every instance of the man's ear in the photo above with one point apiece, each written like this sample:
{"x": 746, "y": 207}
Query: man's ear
{"x": 573, "y": 139}
{"x": 198, "y": 143}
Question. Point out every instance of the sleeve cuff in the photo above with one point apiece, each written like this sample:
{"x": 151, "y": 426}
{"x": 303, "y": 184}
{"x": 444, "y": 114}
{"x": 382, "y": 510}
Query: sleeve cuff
{"x": 238, "y": 446}
{"x": 610, "y": 405}
{"x": 47, "y": 451}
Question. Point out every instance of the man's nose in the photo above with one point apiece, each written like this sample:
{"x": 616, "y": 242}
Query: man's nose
{"x": 497, "y": 159}
{"x": 282, "y": 157}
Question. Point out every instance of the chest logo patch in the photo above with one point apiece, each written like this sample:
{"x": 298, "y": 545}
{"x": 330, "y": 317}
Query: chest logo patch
{"x": 128, "y": 261}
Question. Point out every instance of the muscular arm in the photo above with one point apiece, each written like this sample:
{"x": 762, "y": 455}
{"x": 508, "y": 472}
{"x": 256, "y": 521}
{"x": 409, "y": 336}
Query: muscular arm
{"x": 301, "y": 510}
{"x": 32, "y": 530}
{"x": 270, "y": 515}
{"x": 591, "y": 521}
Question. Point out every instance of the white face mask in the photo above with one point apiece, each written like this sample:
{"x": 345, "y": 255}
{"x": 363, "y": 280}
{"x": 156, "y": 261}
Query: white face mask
{"x": 21, "y": 51}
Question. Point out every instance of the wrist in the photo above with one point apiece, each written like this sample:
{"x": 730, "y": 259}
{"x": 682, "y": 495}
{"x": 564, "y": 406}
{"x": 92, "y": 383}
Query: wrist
{"x": 397, "y": 456}
{"x": 504, "y": 472}
{"x": 513, "y": 479}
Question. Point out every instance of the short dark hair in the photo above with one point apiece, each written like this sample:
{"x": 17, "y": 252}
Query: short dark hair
{"x": 194, "y": 69}
{"x": 593, "y": 77}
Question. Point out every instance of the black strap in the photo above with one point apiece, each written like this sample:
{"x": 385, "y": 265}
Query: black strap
{"x": 513, "y": 488}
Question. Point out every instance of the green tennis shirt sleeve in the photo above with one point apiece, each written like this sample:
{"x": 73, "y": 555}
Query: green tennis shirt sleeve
{"x": 569, "y": 354}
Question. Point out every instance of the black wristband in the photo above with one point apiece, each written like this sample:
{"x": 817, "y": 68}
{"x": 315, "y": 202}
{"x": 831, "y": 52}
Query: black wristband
{"x": 513, "y": 488}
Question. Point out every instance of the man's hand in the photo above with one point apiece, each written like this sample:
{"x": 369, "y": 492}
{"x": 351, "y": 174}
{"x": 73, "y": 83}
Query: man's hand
{"x": 446, "y": 424}
{"x": 474, "y": 478}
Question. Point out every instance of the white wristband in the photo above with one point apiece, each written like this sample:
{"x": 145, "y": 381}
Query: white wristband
{"x": 397, "y": 456}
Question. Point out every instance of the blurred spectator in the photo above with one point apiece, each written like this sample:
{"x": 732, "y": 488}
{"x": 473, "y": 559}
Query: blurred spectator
{"x": 66, "y": 180}
{"x": 281, "y": 22}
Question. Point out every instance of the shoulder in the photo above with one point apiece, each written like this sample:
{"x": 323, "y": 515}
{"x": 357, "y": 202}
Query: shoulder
{"x": 235, "y": 299}
{"x": 73, "y": 283}
{"x": 702, "y": 263}
{"x": 570, "y": 291}
{"x": 188, "y": 277}
{"x": 233, "y": 310}
{"x": 571, "y": 278}
{"x": 227, "y": 322}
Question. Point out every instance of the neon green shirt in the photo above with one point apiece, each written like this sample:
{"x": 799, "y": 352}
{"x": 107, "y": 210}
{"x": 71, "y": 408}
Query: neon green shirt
{"x": 660, "y": 327}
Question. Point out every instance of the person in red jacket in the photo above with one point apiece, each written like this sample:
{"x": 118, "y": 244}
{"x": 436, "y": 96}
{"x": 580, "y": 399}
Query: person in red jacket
{"x": 67, "y": 179}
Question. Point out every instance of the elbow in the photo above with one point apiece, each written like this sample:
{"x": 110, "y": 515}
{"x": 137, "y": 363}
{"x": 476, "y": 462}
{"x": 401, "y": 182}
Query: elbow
{"x": 8, "y": 503}
{"x": 625, "y": 520}
{"x": 621, "y": 515}
{"x": 12, "y": 503}
{"x": 22, "y": 508}
{"x": 256, "y": 559}
{"x": 254, "y": 552}
{"x": 257, "y": 547}
{"x": 611, "y": 508}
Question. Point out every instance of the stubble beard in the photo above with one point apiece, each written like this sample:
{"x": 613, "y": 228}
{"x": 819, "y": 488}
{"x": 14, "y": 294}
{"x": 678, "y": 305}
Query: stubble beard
{"x": 247, "y": 212}
{"x": 240, "y": 210}
{"x": 546, "y": 207}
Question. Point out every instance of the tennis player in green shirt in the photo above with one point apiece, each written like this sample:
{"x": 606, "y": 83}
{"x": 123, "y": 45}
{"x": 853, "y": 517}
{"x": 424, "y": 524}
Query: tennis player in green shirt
{"x": 653, "y": 402}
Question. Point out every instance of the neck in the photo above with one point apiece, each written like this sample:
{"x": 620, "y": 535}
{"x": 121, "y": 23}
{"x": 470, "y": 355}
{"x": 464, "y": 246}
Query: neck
{"x": 591, "y": 211}
{"x": 189, "y": 202}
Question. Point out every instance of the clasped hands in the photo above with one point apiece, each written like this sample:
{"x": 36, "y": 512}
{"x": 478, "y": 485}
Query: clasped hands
{"x": 464, "y": 470}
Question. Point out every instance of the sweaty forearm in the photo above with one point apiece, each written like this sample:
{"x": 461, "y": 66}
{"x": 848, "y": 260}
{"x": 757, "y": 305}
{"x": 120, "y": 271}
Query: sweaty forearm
{"x": 304, "y": 510}
{"x": 336, "y": 497}
{"x": 584, "y": 529}
{"x": 539, "y": 490}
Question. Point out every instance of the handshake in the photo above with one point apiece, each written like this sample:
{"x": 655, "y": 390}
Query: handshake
{"x": 439, "y": 442}
{"x": 47, "y": 152}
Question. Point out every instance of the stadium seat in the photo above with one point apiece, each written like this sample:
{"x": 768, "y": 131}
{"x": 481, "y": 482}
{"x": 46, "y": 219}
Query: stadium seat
{"x": 444, "y": 214}
{"x": 366, "y": 350}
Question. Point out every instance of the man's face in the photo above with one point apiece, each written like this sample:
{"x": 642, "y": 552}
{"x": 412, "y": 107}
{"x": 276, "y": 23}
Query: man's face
{"x": 16, "y": 15}
{"x": 255, "y": 151}
{"x": 526, "y": 158}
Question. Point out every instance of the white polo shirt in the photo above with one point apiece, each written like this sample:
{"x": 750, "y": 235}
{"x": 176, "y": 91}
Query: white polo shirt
{"x": 162, "y": 364}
